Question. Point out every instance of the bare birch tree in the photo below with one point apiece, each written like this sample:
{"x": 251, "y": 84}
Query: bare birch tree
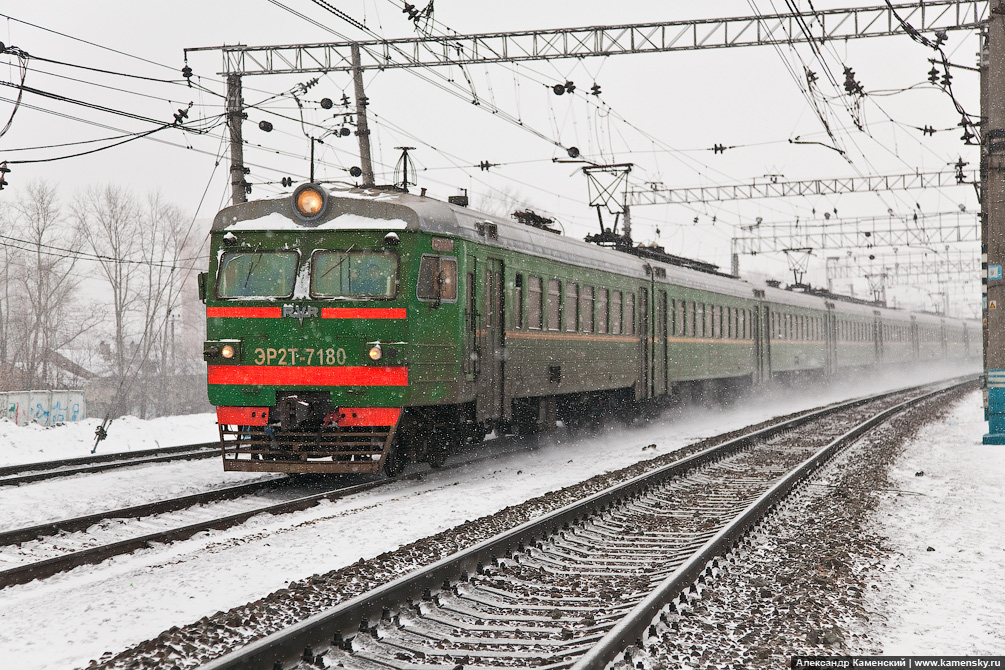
{"x": 139, "y": 250}
{"x": 42, "y": 311}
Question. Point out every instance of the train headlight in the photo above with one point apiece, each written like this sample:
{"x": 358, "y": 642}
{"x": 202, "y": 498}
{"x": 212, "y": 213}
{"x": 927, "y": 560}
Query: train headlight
{"x": 222, "y": 351}
{"x": 309, "y": 201}
{"x": 375, "y": 352}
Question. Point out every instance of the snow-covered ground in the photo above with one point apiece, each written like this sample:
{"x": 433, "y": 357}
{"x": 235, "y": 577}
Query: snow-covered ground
{"x": 951, "y": 600}
{"x": 74, "y": 617}
{"x": 34, "y": 443}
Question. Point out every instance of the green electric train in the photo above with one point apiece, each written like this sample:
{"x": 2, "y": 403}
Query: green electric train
{"x": 351, "y": 331}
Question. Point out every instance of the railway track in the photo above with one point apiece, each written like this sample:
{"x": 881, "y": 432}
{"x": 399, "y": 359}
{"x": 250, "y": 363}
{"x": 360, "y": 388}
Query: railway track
{"x": 44, "y": 550}
{"x": 12, "y": 475}
{"x": 577, "y": 586}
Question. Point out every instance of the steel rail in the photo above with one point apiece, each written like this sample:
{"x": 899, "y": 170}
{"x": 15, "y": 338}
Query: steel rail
{"x": 29, "y": 533}
{"x": 632, "y": 626}
{"x": 73, "y": 466}
{"x": 329, "y": 628}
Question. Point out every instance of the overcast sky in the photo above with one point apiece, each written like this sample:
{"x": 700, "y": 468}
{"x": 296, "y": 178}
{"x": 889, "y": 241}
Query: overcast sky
{"x": 661, "y": 112}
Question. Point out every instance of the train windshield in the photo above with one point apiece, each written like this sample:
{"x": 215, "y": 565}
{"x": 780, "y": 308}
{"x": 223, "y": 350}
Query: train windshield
{"x": 346, "y": 274}
{"x": 257, "y": 274}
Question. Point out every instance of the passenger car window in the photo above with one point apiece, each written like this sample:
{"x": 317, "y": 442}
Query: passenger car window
{"x": 571, "y": 307}
{"x": 344, "y": 274}
{"x": 554, "y": 304}
{"x": 602, "y": 310}
{"x": 586, "y": 309}
{"x": 535, "y": 315}
{"x": 257, "y": 274}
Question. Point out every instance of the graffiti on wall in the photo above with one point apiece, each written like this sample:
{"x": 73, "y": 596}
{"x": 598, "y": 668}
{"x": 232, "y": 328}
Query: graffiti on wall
{"x": 46, "y": 408}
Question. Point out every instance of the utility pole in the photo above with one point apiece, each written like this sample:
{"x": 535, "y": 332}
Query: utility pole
{"x": 235, "y": 115}
{"x": 362, "y": 131}
{"x": 993, "y": 209}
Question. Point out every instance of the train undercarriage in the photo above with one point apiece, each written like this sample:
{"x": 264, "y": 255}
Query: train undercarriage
{"x": 303, "y": 433}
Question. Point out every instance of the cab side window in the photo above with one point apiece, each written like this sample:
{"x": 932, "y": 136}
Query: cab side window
{"x": 437, "y": 278}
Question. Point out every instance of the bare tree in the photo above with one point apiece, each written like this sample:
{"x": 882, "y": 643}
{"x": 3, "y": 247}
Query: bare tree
{"x": 139, "y": 251}
{"x": 108, "y": 221}
{"x": 41, "y": 313}
{"x": 162, "y": 248}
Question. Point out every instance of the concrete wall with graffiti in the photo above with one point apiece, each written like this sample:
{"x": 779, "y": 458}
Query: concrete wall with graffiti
{"x": 46, "y": 408}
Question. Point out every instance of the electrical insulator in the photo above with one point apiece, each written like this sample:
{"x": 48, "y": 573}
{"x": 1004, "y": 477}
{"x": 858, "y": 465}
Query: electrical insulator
{"x": 595, "y": 89}
{"x": 326, "y": 103}
{"x": 933, "y": 76}
{"x": 180, "y": 116}
{"x": 718, "y": 148}
{"x": 946, "y": 78}
{"x": 186, "y": 72}
{"x": 569, "y": 86}
{"x": 485, "y": 165}
{"x": 558, "y": 89}
{"x": 3, "y": 174}
{"x": 286, "y": 181}
{"x": 849, "y": 80}
{"x": 265, "y": 126}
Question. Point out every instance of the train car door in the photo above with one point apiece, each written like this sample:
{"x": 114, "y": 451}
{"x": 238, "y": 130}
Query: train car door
{"x": 647, "y": 338}
{"x": 762, "y": 342}
{"x": 915, "y": 344}
{"x": 491, "y": 341}
{"x": 877, "y": 336}
{"x": 472, "y": 359}
{"x": 667, "y": 329}
{"x": 759, "y": 330}
{"x": 659, "y": 344}
{"x": 830, "y": 336}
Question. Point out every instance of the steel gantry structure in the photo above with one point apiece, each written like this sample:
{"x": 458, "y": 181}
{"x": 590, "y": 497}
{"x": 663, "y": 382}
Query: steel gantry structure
{"x": 655, "y": 37}
{"x": 953, "y": 266}
{"x": 925, "y": 231}
{"x": 811, "y": 187}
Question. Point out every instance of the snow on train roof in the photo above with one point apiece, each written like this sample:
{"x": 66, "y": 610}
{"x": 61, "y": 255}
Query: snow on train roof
{"x": 277, "y": 221}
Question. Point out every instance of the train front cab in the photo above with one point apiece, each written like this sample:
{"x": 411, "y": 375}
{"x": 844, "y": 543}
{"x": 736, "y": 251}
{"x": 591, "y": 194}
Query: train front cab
{"x": 316, "y": 382}
{"x": 313, "y": 375}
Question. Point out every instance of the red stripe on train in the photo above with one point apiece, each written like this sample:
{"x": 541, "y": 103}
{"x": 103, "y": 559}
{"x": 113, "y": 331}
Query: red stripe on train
{"x": 245, "y": 312}
{"x": 307, "y": 376}
{"x": 242, "y": 416}
{"x": 363, "y": 312}
{"x": 368, "y": 416}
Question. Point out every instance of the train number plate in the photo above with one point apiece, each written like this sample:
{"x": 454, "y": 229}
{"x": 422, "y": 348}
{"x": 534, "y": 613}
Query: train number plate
{"x": 299, "y": 356}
